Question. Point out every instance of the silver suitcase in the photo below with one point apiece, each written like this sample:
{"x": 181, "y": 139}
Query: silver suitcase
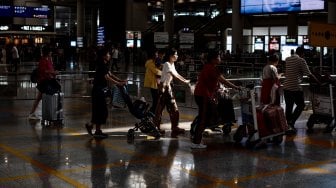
{"x": 52, "y": 108}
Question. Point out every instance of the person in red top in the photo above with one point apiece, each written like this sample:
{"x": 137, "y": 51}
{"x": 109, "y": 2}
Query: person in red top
{"x": 205, "y": 89}
{"x": 46, "y": 73}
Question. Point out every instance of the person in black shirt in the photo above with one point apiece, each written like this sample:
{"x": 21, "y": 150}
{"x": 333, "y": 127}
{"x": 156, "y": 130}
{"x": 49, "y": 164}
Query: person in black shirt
{"x": 101, "y": 79}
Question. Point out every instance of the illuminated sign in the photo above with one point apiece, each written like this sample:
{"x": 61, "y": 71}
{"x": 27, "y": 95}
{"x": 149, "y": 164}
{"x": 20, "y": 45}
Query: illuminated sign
{"x": 32, "y": 28}
{"x": 24, "y": 11}
{"x": 6, "y": 11}
{"x": 4, "y": 27}
{"x": 100, "y": 36}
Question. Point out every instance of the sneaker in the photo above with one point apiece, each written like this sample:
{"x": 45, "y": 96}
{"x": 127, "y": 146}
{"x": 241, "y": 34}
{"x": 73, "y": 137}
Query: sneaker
{"x": 100, "y": 135}
{"x": 33, "y": 116}
{"x": 89, "y": 128}
{"x": 198, "y": 146}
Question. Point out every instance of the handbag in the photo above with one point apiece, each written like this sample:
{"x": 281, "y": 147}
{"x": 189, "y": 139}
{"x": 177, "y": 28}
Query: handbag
{"x": 117, "y": 98}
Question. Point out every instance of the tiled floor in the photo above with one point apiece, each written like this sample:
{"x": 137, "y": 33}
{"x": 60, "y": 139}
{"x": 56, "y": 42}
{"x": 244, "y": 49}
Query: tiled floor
{"x": 36, "y": 156}
{"x": 32, "y": 155}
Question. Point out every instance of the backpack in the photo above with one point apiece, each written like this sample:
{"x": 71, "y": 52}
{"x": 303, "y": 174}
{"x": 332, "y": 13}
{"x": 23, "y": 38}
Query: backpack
{"x": 34, "y": 75}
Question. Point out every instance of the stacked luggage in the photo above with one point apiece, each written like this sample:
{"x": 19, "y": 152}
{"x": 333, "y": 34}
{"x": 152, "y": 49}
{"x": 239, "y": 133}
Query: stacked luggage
{"x": 260, "y": 123}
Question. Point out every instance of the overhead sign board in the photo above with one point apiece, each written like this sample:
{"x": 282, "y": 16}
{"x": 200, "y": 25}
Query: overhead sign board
{"x": 187, "y": 38}
{"x": 161, "y": 37}
{"x": 322, "y": 34}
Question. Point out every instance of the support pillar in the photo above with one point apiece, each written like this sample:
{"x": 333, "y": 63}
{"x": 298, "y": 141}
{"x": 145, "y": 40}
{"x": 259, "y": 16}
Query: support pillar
{"x": 292, "y": 29}
{"x": 80, "y": 18}
{"x": 237, "y": 29}
{"x": 169, "y": 19}
{"x": 332, "y": 20}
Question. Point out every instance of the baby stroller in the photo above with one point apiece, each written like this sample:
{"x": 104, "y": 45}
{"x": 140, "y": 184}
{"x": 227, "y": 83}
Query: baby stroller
{"x": 221, "y": 113}
{"x": 140, "y": 110}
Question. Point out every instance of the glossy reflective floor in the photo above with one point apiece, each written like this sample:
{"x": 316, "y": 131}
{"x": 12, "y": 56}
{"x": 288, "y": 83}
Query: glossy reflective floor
{"x": 32, "y": 155}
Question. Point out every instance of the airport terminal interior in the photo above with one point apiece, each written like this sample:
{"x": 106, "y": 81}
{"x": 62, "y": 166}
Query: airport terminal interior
{"x": 38, "y": 153}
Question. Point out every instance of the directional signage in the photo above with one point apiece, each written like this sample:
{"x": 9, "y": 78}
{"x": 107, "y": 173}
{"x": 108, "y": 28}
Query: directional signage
{"x": 322, "y": 34}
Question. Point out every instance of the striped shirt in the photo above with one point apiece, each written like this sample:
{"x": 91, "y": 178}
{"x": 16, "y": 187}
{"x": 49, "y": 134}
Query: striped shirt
{"x": 296, "y": 68}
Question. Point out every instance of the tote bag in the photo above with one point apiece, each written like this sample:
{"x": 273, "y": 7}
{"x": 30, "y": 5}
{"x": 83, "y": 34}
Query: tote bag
{"x": 117, "y": 99}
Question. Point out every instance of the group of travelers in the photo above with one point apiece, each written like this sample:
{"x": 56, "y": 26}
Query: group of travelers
{"x": 160, "y": 72}
{"x": 296, "y": 68}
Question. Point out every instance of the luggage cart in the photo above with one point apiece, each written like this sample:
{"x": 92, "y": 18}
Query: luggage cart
{"x": 222, "y": 114}
{"x": 322, "y": 98}
{"x": 254, "y": 127}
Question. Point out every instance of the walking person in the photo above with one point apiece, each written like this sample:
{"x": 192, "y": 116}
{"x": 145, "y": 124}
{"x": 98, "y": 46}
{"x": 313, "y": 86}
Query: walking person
{"x": 15, "y": 58}
{"x": 99, "y": 107}
{"x": 296, "y": 68}
{"x": 46, "y": 73}
{"x": 270, "y": 77}
{"x": 152, "y": 76}
{"x": 115, "y": 58}
{"x": 166, "y": 95}
{"x": 3, "y": 58}
{"x": 205, "y": 89}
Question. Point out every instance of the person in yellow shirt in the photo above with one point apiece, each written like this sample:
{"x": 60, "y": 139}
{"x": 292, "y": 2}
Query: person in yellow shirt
{"x": 153, "y": 74}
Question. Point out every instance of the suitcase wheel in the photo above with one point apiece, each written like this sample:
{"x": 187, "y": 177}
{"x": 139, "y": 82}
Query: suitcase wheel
{"x": 227, "y": 129}
{"x": 130, "y": 135}
{"x": 240, "y": 133}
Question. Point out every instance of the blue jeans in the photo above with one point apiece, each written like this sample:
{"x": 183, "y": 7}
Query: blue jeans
{"x": 291, "y": 98}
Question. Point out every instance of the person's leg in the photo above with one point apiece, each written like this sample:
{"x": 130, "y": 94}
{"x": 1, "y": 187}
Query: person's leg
{"x": 154, "y": 93}
{"x": 158, "y": 110}
{"x": 289, "y": 100}
{"x": 202, "y": 104}
{"x": 173, "y": 112}
{"x": 101, "y": 118}
{"x": 35, "y": 104}
{"x": 300, "y": 105}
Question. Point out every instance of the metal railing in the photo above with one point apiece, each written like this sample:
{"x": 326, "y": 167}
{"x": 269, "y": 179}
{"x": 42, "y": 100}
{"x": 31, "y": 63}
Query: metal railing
{"x": 78, "y": 84}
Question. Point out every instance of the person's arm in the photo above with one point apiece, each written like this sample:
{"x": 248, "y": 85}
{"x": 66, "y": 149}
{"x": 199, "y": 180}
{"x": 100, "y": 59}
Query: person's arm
{"x": 114, "y": 79}
{"x": 227, "y": 82}
{"x": 311, "y": 75}
{"x": 308, "y": 73}
{"x": 181, "y": 78}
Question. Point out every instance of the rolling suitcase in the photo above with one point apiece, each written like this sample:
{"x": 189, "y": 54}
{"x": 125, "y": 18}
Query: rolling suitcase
{"x": 52, "y": 109}
{"x": 275, "y": 119}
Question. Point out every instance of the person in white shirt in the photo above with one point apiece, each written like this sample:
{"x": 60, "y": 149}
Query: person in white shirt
{"x": 15, "y": 58}
{"x": 115, "y": 58}
{"x": 166, "y": 95}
